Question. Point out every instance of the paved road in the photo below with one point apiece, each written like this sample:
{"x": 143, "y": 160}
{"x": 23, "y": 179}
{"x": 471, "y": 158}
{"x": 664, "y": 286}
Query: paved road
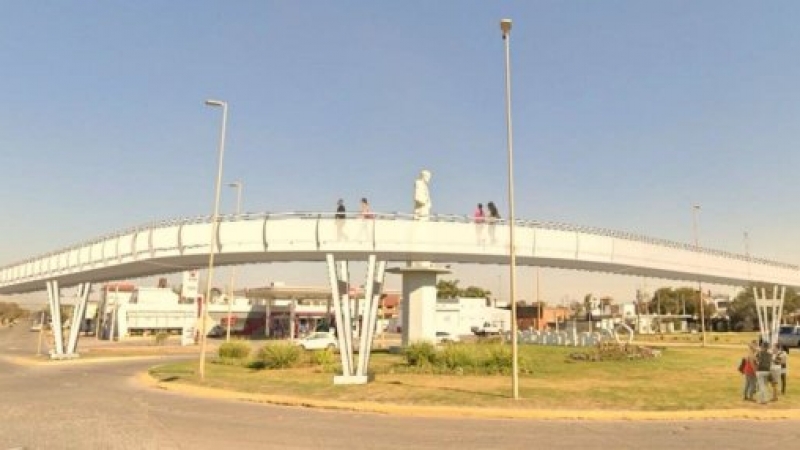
{"x": 101, "y": 406}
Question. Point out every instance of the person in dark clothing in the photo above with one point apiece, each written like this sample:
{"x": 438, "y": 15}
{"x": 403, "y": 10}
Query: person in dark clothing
{"x": 493, "y": 213}
{"x": 494, "y": 216}
{"x": 763, "y": 366}
{"x": 341, "y": 213}
{"x": 340, "y": 210}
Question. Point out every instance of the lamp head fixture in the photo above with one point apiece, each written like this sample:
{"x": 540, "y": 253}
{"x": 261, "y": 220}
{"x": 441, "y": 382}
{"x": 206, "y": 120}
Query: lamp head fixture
{"x": 505, "y": 26}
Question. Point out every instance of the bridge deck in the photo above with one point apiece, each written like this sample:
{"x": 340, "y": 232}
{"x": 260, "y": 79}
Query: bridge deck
{"x": 178, "y": 245}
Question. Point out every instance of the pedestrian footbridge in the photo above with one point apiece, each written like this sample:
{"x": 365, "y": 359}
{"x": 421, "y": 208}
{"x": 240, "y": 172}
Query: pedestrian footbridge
{"x": 177, "y": 245}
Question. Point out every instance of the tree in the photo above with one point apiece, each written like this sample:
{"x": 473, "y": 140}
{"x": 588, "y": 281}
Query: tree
{"x": 447, "y": 289}
{"x": 742, "y": 311}
{"x": 475, "y": 292}
{"x": 678, "y": 301}
{"x": 11, "y": 311}
{"x": 450, "y": 289}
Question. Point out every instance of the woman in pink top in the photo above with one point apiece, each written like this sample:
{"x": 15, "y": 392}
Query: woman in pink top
{"x": 479, "y": 215}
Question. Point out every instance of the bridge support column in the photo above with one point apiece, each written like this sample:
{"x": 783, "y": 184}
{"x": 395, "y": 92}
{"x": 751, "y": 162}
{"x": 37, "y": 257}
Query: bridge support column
{"x": 54, "y": 298}
{"x": 770, "y": 311}
{"x": 344, "y": 316}
{"x": 77, "y": 319}
{"x": 419, "y": 302}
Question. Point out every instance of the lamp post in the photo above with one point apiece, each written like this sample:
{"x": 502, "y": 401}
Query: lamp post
{"x": 505, "y": 27}
{"x": 695, "y": 210}
{"x": 213, "y": 240}
{"x": 231, "y": 296}
{"x": 747, "y": 251}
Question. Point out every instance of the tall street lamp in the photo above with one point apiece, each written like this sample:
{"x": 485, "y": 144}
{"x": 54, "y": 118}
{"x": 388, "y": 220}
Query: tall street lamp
{"x": 695, "y": 210}
{"x": 505, "y": 27}
{"x": 747, "y": 251}
{"x": 213, "y": 240}
{"x": 231, "y": 296}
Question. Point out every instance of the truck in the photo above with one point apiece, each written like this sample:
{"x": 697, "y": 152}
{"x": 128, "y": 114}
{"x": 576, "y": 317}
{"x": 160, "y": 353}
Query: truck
{"x": 789, "y": 336}
{"x": 486, "y": 330}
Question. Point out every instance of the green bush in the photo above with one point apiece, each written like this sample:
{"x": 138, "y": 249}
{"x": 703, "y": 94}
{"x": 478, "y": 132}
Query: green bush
{"x": 324, "y": 361}
{"x": 279, "y": 356}
{"x": 498, "y": 359}
{"x": 421, "y": 353}
{"x": 161, "y": 337}
{"x": 234, "y": 350}
{"x": 458, "y": 357}
{"x": 323, "y": 357}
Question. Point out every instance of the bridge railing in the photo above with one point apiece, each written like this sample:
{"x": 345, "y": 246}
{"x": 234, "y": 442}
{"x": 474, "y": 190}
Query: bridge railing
{"x": 557, "y": 226}
{"x": 179, "y": 244}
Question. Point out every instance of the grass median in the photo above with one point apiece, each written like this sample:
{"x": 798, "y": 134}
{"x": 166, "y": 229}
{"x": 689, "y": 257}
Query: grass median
{"x": 681, "y": 378}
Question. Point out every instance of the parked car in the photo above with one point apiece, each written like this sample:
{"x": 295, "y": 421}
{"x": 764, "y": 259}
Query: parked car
{"x": 319, "y": 340}
{"x": 789, "y": 335}
{"x": 216, "y": 331}
{"x": 444, "y": 337}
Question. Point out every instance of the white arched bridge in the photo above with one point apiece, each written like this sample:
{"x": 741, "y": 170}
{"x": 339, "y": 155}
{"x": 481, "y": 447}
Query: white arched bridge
{"x": 177, "y": 245}
{"x": 173, "y": 246}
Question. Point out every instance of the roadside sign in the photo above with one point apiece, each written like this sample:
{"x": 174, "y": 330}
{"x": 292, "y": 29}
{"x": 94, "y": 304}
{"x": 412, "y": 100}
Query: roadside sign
{"x": 191, "y": 282}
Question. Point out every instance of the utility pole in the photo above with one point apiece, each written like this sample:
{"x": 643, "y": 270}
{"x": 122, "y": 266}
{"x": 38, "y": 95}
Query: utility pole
{"x": 695, "y": 210}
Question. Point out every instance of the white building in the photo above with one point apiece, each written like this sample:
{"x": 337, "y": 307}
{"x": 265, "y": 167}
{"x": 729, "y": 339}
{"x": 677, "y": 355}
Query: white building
{"x": 459, "y": 315}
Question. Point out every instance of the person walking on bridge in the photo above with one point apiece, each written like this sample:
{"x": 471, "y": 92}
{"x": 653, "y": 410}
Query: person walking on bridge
{"x": 341, "y": 212}
{"x": 494, "y": 216}
{"x": 340, "y": 215}
{"x": 366, "y": 211}
{"x": 479, "y": 216}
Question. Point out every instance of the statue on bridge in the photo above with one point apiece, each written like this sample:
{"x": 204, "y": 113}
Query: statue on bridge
{"x": 422, "y": 196}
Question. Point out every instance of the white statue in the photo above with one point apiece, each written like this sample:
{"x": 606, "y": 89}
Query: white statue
{"x": 422, "y": 196}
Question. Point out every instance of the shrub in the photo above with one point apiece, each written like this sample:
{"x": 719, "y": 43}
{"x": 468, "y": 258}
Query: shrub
{"x": 498, "y": 359}
{"x": 458, "y": 358}
{"x": 421, "y": 353}
{"x": 323, "y": 357}
{"x": 161, "y": 337}
{"x": 325, "y": 360}
{"x": 279, "y": 356}
{"x": 234, "y": 350}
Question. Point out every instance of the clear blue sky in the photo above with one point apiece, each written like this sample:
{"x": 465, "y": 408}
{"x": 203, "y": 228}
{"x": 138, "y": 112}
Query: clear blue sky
{"x": 626, "y": 113}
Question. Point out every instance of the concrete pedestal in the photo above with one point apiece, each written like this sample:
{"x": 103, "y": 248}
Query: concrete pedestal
{"x": 419, "y": 301}
{"x": 353, "y": 379}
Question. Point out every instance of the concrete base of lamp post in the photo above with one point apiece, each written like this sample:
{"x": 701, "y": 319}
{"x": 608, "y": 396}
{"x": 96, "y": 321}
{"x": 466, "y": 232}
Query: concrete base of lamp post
{"x": 353, "y": 379}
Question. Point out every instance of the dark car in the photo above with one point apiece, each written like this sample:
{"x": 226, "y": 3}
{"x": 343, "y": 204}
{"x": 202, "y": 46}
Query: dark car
{"x": 789, "y": 335}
